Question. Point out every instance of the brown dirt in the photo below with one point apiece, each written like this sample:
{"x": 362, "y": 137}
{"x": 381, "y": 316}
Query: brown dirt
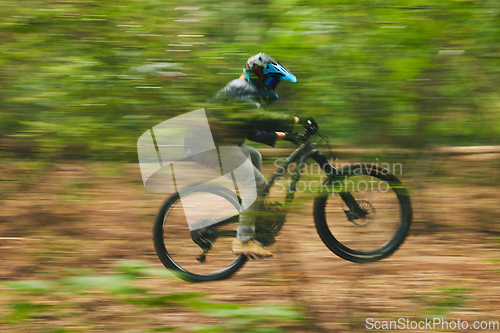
{"x": 92, "y": 215}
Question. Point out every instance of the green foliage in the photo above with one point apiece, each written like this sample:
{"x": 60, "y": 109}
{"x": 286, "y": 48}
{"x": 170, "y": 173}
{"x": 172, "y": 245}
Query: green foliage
{"x": 83, "y": 79}
{"x": 136, "y": 268}
{"x": 445, "y": 299}
{"x": 31, "y": 285}
{"x": 39, "y": 297}
{"x": 24, "y": 310}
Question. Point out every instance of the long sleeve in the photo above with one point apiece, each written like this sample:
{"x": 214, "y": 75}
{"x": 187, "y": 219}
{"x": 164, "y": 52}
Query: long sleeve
{"x": 238, "y": 115}
{"x": 263, "y": 129}
{"x": 262, "y": 136}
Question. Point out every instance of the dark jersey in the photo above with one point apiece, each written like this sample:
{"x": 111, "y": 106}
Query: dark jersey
{"x": 237, "y": 113}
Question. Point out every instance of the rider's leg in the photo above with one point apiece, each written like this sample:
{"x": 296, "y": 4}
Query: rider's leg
{"x": 251, "y": 201}
{"x": 255, "y": 156}
{"x": 241, "y": 164}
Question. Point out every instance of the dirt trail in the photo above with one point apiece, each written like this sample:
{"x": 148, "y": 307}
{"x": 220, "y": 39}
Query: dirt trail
{"x": 91, "y": 216}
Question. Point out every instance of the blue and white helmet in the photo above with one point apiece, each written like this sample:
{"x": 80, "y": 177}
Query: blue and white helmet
{"x": 268, "y": 71}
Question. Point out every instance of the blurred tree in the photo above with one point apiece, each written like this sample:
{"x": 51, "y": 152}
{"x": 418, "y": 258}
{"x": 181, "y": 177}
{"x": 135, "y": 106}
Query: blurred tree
{"x": 83, "y": 79}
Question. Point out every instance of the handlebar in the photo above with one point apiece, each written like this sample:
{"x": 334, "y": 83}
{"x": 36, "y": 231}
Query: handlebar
{"x": 308, "y": 132}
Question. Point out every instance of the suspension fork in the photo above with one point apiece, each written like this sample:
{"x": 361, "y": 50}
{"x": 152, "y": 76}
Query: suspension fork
{"x": 333, "y": 174}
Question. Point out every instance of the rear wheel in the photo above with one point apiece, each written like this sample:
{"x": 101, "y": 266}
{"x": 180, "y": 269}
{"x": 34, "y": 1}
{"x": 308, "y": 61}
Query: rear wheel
{"x": 190, "y": 238}
{"x": 364, "y": 215}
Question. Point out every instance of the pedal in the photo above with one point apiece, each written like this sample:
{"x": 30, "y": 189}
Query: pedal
{"x": 204, "y": 238}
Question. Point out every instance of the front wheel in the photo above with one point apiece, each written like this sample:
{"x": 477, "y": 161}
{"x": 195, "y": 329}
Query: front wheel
{"x": 193, "y": 234}
{"x": 363, "y": 214}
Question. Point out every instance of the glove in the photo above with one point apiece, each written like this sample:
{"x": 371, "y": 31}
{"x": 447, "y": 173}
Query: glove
{"x": 294, "y": 137}
{"x": 309, "y": 123}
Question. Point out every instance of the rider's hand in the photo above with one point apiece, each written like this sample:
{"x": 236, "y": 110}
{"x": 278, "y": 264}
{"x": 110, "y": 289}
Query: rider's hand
{"x": 309, "y": 123}
{"x": 294, "y": 137}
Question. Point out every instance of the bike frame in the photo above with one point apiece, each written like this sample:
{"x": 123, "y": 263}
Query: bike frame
{"x": 299, "y": 156}
{"x": 305, "y": 151}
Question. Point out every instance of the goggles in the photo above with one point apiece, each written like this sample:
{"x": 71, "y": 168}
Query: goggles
{"x": 271, "y": 81}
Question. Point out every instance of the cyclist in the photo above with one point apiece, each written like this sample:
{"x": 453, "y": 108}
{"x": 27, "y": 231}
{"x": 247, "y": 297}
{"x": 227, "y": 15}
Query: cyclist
{"x": 237, "y": 114}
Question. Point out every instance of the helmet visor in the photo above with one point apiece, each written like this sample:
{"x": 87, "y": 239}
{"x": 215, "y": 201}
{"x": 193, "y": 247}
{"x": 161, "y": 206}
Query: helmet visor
{"x": 279, "y": 71}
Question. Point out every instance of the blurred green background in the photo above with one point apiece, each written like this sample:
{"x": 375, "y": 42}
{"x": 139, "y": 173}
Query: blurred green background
{"x": 80, "y": 81}
{"x": 83, "y": 79}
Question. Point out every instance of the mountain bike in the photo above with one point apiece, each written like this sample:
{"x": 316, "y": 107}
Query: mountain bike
{"x": 362, "y": 213}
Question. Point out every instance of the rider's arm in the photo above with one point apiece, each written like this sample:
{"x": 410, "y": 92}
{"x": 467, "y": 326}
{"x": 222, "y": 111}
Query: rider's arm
{"x": 282, "y": 135}
{"x": 269, "y": 137}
